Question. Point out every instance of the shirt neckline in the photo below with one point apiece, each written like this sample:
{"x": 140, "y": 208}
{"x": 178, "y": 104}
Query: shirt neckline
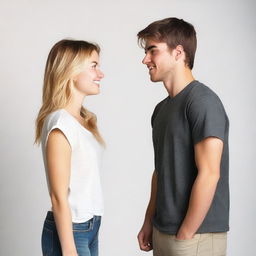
{"x": 78, "y": 123}
{"x": 182, "y": 91}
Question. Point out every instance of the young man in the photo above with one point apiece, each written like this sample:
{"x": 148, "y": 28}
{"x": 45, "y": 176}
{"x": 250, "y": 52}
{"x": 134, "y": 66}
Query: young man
{"x": 188, "y": 211}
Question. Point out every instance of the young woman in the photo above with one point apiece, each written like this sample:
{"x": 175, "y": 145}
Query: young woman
{"x": 72, "y": 148}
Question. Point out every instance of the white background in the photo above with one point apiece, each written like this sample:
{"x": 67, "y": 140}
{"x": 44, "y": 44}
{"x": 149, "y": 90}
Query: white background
{"x": 225, "y": 61}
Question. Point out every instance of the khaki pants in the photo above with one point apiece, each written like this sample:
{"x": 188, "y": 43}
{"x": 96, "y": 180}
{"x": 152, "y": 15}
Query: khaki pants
{"x": 208, "y": 244}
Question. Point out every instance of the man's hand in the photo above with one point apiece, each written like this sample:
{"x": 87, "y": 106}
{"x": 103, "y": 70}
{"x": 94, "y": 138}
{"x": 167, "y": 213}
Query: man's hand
{"x": 181, "y": 235}
{"x": 145, "y": 236}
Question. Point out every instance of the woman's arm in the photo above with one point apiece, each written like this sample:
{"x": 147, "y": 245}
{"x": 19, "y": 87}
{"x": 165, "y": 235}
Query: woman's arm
{"x": 58, "y": 154}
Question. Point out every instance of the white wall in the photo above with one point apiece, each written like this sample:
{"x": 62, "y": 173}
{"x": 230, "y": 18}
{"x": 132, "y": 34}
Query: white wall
{"x": 225, "y": 61}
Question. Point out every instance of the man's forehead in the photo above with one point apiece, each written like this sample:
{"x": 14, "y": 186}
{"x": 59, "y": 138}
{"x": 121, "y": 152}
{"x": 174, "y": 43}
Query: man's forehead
{"x": 149, "y": 44}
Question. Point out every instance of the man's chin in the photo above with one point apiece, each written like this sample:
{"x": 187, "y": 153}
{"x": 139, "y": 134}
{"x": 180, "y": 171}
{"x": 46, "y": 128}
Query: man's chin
{"x": 154, "y": 79}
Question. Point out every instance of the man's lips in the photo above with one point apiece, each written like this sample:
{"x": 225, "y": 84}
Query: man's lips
{"x": 151, "y": 67}
{"x": 97, "y": 82}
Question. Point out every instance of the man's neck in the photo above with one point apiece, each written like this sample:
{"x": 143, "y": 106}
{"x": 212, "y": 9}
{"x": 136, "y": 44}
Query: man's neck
{"x": 178, "y": 81}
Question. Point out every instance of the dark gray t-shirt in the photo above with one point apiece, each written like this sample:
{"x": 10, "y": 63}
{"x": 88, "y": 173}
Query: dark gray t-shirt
{"x": 178, "y": 124}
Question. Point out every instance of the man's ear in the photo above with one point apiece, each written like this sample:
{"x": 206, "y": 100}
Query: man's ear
{"x": 179, "y": 52}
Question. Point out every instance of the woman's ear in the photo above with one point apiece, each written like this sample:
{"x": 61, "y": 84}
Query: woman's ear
{"x": 73, "y": 79}
{"x": 71, "y": 84}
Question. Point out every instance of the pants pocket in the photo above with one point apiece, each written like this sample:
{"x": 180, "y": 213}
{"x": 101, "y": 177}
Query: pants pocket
{"x": 195, "y": 237}
{"x": 185, "y": 247}
{"x": 83, "y": 227}
{"x": 168, "y": 245}
{"x": 220, "y": 244}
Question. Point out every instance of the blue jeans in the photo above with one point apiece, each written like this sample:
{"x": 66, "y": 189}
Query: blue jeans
{"x": 85, "y": 236}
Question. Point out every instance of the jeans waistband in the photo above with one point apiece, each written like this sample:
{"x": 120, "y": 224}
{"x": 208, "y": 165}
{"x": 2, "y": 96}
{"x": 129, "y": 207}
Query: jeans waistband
{"x": 50, "y": 216}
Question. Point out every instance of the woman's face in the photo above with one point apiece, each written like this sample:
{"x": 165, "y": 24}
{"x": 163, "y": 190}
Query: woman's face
{"x": 88, "y": 81}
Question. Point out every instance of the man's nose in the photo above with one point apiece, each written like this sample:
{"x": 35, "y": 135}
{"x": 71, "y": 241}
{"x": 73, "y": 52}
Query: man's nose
{"x": 146, "y": 60}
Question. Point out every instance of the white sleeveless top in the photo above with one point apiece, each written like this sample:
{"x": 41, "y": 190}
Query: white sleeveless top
{"x": 84, "y": 192}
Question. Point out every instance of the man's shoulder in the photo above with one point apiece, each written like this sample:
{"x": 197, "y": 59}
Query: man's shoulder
{"x": 203, "y": 99}
{"x": 201, "y": 92}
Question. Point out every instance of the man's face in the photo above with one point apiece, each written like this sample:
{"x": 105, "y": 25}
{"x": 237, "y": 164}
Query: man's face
{"x": 159, "y": 60}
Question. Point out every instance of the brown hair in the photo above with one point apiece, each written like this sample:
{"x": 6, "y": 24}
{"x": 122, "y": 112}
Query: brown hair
{"x": 173, "y": 32}
{"x": 64, "y": 61}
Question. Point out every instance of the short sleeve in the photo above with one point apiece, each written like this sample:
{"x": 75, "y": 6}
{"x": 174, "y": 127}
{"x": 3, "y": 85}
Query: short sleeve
{"x": 207, "y": 118}
{"x": 64, "y": 131}
{"x": 66, "y": 128}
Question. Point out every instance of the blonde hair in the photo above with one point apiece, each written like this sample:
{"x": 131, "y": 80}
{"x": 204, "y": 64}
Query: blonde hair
{"x": 64, "y": 61}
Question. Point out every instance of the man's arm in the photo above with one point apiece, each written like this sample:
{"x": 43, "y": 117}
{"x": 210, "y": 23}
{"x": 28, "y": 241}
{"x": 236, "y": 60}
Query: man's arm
{"x": 145, "y": 234}
{"x": 208, "y": 157}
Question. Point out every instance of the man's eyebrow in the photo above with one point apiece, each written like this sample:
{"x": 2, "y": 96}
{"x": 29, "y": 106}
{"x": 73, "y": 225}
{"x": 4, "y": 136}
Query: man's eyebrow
{"x": 149, "y": 48}
{"x": 95, "y": 62}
